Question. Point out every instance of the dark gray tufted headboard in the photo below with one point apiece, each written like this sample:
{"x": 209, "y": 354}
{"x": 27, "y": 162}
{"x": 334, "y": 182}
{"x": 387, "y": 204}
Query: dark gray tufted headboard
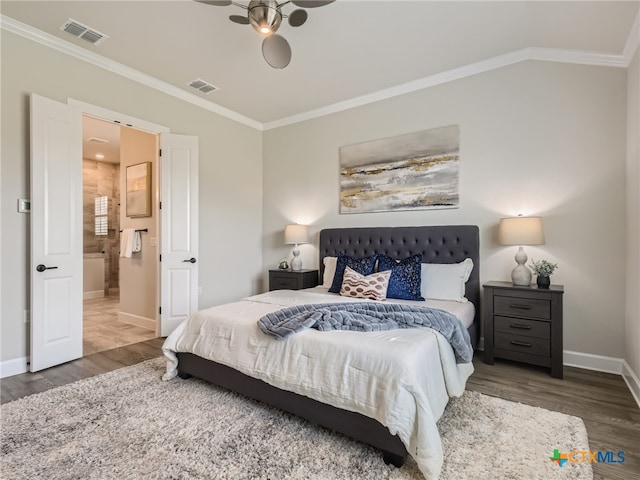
{"x": 437, "y": 244}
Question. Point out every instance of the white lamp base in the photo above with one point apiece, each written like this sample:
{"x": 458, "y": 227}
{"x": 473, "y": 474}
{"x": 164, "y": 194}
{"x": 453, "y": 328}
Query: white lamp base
{"x": 521, "y": 275}
{"x": 296, "y": 261}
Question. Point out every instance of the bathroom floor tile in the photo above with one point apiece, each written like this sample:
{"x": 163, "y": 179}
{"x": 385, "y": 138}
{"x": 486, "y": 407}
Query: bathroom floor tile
{"x": 103, "y": 331}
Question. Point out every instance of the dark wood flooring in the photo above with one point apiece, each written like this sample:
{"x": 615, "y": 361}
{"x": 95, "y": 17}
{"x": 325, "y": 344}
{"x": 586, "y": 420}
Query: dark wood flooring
{"x": 17, "y": 386}
{"x": 602, "y": 400}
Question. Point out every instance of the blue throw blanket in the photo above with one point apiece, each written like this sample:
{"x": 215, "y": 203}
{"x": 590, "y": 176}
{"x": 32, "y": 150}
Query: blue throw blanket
{"x": 368, "y": 317}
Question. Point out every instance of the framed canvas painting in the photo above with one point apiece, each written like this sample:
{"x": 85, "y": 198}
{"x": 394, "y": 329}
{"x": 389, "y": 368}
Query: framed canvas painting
{"x": 408, "y": 172}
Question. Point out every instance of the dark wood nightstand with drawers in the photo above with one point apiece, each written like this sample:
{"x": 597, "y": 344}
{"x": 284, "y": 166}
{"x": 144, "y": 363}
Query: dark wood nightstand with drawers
{"x": 523, "y": 324}
{"x": 292, "y": 280}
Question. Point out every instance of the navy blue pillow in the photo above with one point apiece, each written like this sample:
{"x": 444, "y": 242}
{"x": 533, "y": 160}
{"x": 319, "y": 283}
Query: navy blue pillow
{"x": 363, "y": 266}
{"x": 405, "y": 276}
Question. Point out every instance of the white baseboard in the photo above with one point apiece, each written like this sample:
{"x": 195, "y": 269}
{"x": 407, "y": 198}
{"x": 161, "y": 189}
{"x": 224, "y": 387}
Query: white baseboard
{"x": 632, "y": 381}
{"x": 589, "y": 361}
{"x": 618, "y": 366}
{"x": 144, "y": 322}
{"x": 92, "y": 294}
{"x": 14, "y": 367}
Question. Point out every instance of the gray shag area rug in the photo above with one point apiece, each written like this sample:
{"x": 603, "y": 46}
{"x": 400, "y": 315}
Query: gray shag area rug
{"x": 128, "y": 424}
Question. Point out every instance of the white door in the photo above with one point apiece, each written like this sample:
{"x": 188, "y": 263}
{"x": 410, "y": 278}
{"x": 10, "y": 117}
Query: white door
{"x": 179, "y": 230}
{"x": 56, "y": 233}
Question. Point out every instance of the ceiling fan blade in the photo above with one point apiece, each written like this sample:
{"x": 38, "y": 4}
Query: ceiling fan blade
{"x": 311, "y": 3}
{"x": 276, "y": 51}
{"x": 239, "y": 19}
{"x": 297, "y": 17}
{"x": 217, "y": 3}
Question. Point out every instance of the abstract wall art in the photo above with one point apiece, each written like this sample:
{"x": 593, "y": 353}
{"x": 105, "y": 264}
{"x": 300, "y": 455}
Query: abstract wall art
{"x": 407, "y": 172}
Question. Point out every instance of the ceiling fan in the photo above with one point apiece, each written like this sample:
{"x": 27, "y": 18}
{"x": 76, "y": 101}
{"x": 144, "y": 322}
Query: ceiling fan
{"x": 265, "y": 16}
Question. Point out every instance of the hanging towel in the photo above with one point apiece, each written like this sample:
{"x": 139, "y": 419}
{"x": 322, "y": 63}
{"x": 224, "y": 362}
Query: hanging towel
{"x": 126, "y": 241}
{"x": 137, "y": 242}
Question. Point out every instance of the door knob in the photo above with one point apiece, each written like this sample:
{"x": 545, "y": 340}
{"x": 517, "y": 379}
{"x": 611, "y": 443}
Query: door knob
{"x": 191, "y": 260}
{"x": 42, "y": 268}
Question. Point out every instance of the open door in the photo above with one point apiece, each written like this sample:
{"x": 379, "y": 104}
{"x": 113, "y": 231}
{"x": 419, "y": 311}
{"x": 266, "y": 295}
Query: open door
{"x": 179, "y": 230}
{"x": 56, "y": 233}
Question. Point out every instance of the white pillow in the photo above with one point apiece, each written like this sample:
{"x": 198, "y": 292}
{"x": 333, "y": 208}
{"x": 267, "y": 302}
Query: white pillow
{"x": 329, "y": 271}
{"x": 445, "y": 281}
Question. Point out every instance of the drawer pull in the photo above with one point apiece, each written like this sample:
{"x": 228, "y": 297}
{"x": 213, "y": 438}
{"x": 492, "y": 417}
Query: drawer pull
{"x": 521, "y": 306}
{"x": 521, "y": 327}
{"x": 520, "y": 344}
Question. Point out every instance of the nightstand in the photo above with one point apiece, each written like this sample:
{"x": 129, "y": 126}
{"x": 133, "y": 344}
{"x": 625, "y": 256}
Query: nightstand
{"x": 523, "y": 324}
{"x": 290, "y": 280}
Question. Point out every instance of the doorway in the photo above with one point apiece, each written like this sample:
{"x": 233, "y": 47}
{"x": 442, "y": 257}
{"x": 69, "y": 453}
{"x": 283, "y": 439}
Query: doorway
{"x": 161, "y": 288}
{"x": 104, "y": 325}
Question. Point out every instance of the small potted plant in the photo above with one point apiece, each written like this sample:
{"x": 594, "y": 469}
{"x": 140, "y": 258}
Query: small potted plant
{"x": 543, "y": 269}
{"x": 283, "y": 265}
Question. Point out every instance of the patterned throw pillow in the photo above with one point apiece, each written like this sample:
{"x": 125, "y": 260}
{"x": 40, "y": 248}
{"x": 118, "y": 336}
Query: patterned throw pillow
{"x": 363, "y": 266}
{"x": 405, "y": 276}
{"x": 373, "y": 287}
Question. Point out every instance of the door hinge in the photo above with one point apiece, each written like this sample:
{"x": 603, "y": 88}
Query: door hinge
{"x": 160, "y": 257}
{"x": 160, "y": 205}
{"x": 160, "y": 310}
{"x": 160, "y": 153}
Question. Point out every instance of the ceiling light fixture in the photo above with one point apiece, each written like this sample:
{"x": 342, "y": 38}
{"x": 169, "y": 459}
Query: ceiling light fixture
{"x": 265, "y": 16}
{"x": 99, "y": 156}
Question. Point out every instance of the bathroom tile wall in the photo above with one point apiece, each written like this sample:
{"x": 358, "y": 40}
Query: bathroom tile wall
{"x": 102, "y": 179}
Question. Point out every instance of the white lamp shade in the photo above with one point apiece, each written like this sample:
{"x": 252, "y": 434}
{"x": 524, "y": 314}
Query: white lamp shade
{"x": 295, "y": 233}
{"x": 521, "y": 231}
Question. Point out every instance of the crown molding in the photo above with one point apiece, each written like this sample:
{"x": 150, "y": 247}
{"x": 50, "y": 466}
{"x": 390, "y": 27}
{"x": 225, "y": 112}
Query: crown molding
{"x": 533, "y": 53}
{"x": 633, "y": 41}
{"x": 14, "y": 26}
{"x": 542, "y": 54}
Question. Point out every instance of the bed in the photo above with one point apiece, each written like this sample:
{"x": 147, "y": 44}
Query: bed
{"x": 436, "y": 245}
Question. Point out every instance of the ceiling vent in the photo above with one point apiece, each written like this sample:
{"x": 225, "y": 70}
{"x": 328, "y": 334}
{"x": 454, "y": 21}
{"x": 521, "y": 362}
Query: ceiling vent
{"x": 203, "y": 86}
{"x": 79, "y": 30}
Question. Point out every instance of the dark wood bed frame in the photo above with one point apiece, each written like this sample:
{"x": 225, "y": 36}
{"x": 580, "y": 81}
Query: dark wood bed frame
{"x": 437, "y": 244}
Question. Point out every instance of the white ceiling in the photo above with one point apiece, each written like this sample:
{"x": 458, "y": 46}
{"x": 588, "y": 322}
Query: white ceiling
{"x": 100, "y": 140}
{"x": 346, "y": 50}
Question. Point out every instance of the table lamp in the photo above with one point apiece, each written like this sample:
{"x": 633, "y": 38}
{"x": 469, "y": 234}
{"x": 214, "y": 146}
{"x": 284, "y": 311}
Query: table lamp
{"x": 521, "y": 231}
{"x": 296, "y": 234}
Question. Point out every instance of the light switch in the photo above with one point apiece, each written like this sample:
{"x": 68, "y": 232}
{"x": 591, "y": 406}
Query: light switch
{"x": 24, "y": 205}
{"x": 152, "y": 241}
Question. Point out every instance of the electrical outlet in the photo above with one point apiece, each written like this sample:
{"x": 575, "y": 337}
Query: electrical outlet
{"x": 27, "y": 316}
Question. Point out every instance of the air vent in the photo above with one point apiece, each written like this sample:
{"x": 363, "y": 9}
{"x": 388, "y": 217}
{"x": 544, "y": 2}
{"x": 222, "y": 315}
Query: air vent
{"x": 203, "y": 86}
{"x": 79, "y": 30}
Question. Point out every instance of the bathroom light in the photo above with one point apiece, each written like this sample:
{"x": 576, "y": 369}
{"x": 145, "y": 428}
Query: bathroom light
{"x": 99, "y": 156}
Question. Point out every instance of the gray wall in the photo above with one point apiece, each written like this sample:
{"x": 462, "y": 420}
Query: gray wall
{"x": 536, "y": 138}
{"x": 230, "y": 175}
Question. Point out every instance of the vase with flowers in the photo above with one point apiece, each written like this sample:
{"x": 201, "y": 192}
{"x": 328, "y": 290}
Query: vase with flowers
{"x": 543, "y": 270}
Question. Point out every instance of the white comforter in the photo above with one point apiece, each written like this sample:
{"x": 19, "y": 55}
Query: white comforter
{"x": 402, "y": 378}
